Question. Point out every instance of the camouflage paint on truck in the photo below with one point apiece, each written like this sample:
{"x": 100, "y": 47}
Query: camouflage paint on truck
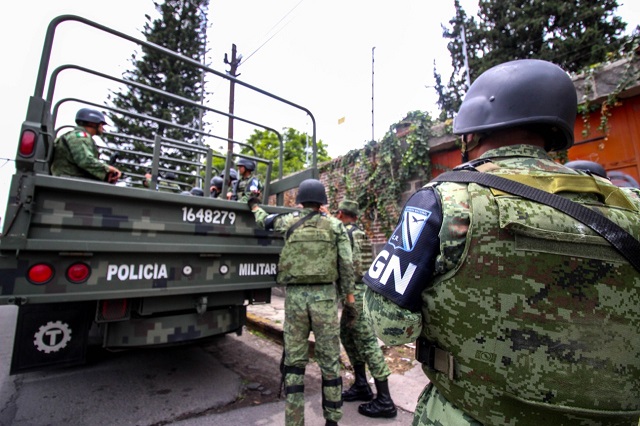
{"x": 127, "y": 266}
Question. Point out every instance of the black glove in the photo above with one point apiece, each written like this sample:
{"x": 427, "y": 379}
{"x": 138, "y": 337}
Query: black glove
{"x": 253, "y": 201}
{"x": 349, "y": 314}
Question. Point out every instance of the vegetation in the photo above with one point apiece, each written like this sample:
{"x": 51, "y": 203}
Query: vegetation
{"x": 574, "y": 34}
{"x": 377, "y": 175}
{"x": 181, "y": 28}
{"x": 297, "y": 150}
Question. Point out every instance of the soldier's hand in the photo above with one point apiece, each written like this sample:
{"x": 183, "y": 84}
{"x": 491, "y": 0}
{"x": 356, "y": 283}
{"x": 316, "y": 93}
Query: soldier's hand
{"x": 350, "y": 313}
{"x": 253, "y": 201}
{"x": 113, "y": 175}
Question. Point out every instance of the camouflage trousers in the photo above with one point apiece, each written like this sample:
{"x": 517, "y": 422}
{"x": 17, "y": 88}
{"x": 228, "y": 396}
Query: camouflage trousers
{"x": 433, "y": 409}
{"x": 307, "y": 308}
{"x": 360, "y": 341}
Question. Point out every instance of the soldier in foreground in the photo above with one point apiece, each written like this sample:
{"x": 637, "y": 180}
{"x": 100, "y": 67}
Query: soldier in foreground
{"x": 523, "y": 314}
{"x": 359, "y": 341}
{"x": 75, "y": 153}
{"x": 316, "y": 254}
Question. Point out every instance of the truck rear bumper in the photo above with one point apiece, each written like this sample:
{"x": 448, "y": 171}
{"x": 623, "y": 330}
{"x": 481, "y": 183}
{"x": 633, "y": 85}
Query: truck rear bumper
{"x": 167, "y": 330}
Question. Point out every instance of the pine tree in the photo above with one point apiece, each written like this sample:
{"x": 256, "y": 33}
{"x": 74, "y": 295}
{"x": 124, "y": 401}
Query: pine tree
{"x": 182, "y": 29}
{"x": 571, "y": 33}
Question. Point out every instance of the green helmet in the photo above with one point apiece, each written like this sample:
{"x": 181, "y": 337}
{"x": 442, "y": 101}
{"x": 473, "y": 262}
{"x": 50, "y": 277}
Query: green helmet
{"x": 311, "y": 191}
{"x": 526, "y": 92}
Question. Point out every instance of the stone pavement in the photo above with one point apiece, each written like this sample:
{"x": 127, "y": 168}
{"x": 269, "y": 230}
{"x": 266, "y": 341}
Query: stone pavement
{"x": 269, "y": 318}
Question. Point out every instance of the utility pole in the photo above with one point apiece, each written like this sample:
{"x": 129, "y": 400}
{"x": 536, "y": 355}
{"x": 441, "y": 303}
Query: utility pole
{"x": 372, "y": 73}
{"x": 466, "y": 57}
{"x": 233, "y": 67}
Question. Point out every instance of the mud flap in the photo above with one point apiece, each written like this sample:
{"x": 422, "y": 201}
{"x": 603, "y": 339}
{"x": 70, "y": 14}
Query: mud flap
{"x": 51, "y": 335}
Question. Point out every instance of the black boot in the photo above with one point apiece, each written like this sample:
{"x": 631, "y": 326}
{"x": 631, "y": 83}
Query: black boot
{"x": 382, "y": 406}
{"x": 360, "y": 390}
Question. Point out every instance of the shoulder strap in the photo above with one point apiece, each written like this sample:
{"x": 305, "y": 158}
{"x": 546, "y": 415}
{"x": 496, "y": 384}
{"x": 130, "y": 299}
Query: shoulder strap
{"x": 350, "y": 231}
{"x": 618, "y": 237}
{"x": 298, "y": 223}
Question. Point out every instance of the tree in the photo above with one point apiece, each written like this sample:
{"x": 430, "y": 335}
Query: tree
{"x": 296, "y": 154}
{"x": 182, "y": 29}
{"x": 571, "y": 33}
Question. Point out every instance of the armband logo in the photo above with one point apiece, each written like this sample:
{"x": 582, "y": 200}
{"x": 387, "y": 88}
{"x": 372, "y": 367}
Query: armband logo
{"x": 407, "y": 233}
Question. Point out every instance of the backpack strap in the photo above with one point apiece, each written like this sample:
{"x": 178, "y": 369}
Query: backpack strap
{"x": 298, "y": 223}
{"x": 618, "y": 237}
{"x": 350, "y": 231}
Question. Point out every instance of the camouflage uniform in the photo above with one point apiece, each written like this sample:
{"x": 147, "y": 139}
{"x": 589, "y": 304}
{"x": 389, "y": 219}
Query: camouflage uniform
{"x": 164, "y": 185}
{"x": 311, "y": 304}
{"x": 76, "y": 154}
{"x": 247, "y": 187}
{"x": 359, "y": 341}
{"x": 529, "y": 316}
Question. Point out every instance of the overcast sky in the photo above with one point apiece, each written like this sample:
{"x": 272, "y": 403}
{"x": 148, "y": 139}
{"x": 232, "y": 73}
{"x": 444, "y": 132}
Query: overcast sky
{"x": 317, "y": 54}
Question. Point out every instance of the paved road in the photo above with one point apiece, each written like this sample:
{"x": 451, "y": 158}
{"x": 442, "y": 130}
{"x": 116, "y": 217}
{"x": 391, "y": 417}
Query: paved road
{"x": 209, "y": 384}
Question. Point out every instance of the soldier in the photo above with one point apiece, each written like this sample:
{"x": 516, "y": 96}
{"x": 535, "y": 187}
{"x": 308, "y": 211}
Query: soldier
{"x": 75, "y": 153}
{"x": 232, "y": 180}
{"x": 587, "y": 166}
{"x": 359, "y": 341}
{"x": 167, "y": 184}
{"x": 524, "y": 314}
{"x": 216, "y": 186}
{"x": 316, "y": 253}
{"x": 248, "y": 186}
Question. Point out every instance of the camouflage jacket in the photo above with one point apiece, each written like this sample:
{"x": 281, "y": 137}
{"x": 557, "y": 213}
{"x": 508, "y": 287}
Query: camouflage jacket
{"x": 76, "y": 154}
{"x": 361, "y": 248}
{"x": 313, "y": 252}
{"x": 164, "y": 185}
{"x": 527, "y": 314}
{"x": 246, "y": 188}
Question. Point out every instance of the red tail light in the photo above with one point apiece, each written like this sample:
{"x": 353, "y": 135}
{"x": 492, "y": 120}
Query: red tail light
{"x": 27, "y": 143}
{"x": 112, "y": 310}
{"x": 78, "y": 273}
{"x": 40, "y": 274}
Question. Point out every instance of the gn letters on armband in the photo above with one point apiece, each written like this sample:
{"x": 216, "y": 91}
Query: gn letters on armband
{"x": 405, "y": 265}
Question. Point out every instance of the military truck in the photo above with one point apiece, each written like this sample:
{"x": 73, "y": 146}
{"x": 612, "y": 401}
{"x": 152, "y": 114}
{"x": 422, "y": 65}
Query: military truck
{"x": 125, "y": 266}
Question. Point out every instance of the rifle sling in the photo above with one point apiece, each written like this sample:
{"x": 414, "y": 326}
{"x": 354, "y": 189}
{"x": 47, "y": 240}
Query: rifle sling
{"x": 298, "y": 223}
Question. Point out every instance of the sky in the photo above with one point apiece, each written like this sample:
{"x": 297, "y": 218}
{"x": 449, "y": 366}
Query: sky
{"x": 358, "y": 66}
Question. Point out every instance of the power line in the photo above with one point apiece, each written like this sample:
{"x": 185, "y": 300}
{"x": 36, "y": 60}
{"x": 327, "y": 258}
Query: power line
{"x": 271, "y": 29}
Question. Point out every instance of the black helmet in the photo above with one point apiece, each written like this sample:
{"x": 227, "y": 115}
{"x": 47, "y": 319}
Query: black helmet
{"x": 170, "y": 176}
{"x": 217, "y": 182}
{"x": 232, "y": 173}
{"x": 523, "y": 92}
{"x": 197, "y": 192}
{"x": 248, "y": 164}
{"x": 587, "y": 166}
{"x": 87, "y": 115}
{"x": 311, "y": 191}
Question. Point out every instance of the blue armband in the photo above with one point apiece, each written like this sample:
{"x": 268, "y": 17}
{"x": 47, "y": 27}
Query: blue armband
{"x": 401, "y": 271}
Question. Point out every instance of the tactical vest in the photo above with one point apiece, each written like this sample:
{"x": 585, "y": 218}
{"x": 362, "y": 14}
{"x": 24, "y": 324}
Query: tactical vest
{"x": 358, "y": 237}
{"x": 310, "y": 254}
{"x": 539, "y": 321}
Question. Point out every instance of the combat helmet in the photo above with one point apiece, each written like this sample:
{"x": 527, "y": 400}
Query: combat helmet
{"x": 198, "y": 192}
{"x": 587, "y": 166}
{"x": 233, "y": 175}
{"x": 248, "y": 164}
{"x": 311, "y": 191}
{"x": 217, "y": 181}
{"x": 88, "y": 115}
{"x": 522, "y": 92}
